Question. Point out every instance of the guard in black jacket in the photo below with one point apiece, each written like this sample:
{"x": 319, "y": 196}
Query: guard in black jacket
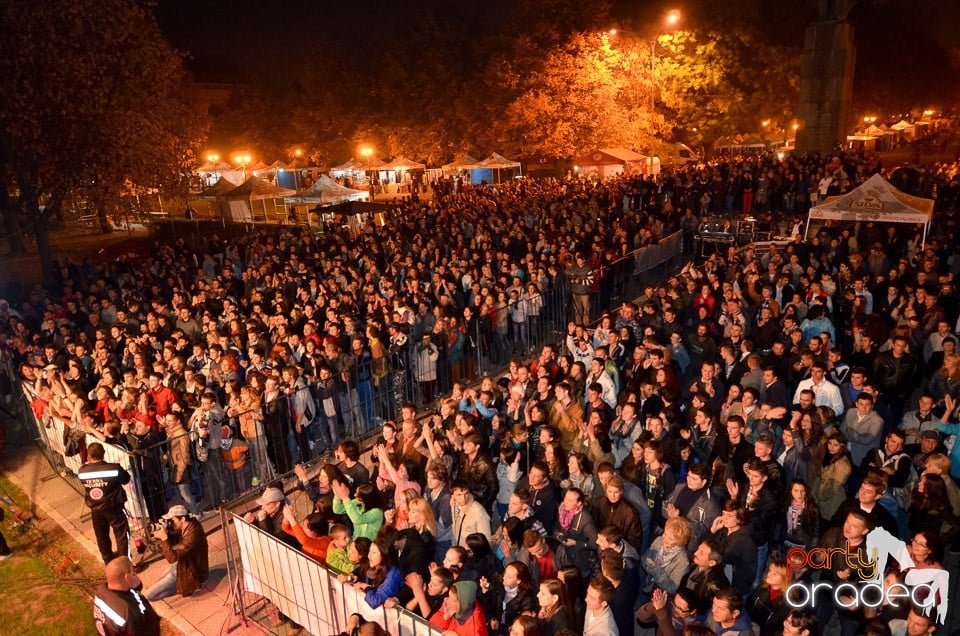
{"x": 119, "y": 609}
{"x": 105, "y": 497}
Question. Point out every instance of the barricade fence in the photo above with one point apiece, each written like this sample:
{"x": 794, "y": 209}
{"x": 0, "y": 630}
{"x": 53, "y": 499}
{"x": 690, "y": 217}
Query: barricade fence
{"x": 269, "y": 580}
{"x": 299, "y": 419}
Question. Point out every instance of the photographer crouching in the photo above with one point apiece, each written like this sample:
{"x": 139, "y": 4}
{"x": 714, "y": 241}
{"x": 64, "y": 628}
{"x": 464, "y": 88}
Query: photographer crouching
{"x": 184, "y": 545}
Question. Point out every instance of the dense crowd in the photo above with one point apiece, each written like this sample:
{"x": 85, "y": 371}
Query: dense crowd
{"x": 659, "y": 464}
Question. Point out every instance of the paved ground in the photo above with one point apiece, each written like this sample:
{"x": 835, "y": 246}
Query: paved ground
{"x": 207, "y": 612}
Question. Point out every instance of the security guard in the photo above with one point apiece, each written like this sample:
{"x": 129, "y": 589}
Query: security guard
{"x": 105, "y": 497}
{"x": 118, "y": 609}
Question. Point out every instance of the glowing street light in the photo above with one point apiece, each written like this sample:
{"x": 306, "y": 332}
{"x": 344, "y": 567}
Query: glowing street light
{"x": 366, "y": 152}
{"x": 612, "y": 32}
{"x": 213, "y": 157}
{"x": 243, "y": 159}
{"x": 297, "y": 153}
{"x": 869, "y": 119}
{"x": 673, "y": 17}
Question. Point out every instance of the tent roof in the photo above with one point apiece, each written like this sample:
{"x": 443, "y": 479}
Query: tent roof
{"x": 326, "y": 191}
{"x": 402, "y": 163}
{"x": 220, "y": 166}
{"x": 498, "y": 161}
{"x": 903, "y": 124}
{"x": 256, "y": 188}
{"x": 221, "y": 187}
{"x": 623, "y": 154}
{"x": 875, "y": 200}
{"x": 461, "y": 162}
{"x": 610, "y": 157}
{"x": 347, "y": 166}
{"x": 874, "y": 130}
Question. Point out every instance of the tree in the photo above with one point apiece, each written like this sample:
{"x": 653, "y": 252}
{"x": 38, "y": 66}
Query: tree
{"x": 590, "y": 92}
{"x": 89, "y": 100}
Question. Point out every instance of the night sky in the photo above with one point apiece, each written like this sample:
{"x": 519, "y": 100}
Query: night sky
{"x": 905, "y": 50}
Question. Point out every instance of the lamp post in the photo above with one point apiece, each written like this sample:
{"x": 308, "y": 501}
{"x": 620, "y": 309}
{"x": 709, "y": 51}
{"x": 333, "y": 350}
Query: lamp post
{"x": 366, "y": 152}
{"x": 212, "y": 159}
{"x": 244, "y": 160}
{"x": 763, "y": 130}
{"x": 296, "y": 169}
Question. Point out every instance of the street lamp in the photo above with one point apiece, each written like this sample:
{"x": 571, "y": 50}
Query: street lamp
{"x": 763, "y": 130}
{"x": 297, "y": 153}
{"x": 244, "y": 160}
{"x": 213, "y": 157}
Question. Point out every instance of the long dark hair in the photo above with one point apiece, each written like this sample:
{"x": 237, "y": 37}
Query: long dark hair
{"x": 524, "y": 578}
{"x": 377, "y": 574}
{"x": 934, "y": 496}
{"x": 811, "y": 511}
{"x": 369, "y": 496}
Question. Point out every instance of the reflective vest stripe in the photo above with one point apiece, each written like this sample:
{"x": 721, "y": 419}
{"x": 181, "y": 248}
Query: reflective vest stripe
{"x": 99, "y": 474}
{"x": 109, "y": 611}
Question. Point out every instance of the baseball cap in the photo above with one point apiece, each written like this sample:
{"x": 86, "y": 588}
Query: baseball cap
{"x": 176, "y": 511}
{"x": 270, "y": 495}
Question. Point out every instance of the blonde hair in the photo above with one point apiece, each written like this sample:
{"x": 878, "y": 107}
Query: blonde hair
{"x": 680, "y": 528}
{"x": 426, "y": 513}
{"x": 939, "y": 462}
{"x": 408, "y": 495}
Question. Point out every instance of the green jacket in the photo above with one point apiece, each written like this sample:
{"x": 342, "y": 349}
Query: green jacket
{"x": 339, "y": 561}
{"x": 366, "y": 523}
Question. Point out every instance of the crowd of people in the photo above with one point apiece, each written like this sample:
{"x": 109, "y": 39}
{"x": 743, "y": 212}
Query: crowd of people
{"x": 656, "y": 465}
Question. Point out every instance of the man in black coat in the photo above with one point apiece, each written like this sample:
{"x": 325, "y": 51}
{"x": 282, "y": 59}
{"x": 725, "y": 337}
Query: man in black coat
{"x": 705, "y": 575}
{"x": 104, "y": 494}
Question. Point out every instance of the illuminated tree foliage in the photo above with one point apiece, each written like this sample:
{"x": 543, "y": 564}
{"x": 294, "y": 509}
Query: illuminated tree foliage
{"x": 89, "y": 102}
{"x": 590, "y": 92}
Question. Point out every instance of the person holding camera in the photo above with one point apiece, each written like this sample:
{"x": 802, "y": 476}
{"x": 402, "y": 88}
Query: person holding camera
{"x": 184, "y": 545}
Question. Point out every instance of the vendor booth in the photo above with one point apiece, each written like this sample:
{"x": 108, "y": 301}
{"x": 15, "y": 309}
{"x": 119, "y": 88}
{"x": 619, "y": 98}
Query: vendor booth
{"x": 878, "y": 201}
{"x": 494, "y": 169}
{"x": 608, "y": 162}
{"x": 239, "y": 202}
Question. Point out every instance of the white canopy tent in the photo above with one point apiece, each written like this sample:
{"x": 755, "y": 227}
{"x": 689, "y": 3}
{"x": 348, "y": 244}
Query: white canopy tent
{"x": 498, "y": 162}
{"x": 326, "y": 191}
{"x": 461, "y": 162}
{"x": 240, "y": 199}
{"x": 875, "y": 200}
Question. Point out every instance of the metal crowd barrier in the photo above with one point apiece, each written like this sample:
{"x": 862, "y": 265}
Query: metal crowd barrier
{"x": 268, "y": 578}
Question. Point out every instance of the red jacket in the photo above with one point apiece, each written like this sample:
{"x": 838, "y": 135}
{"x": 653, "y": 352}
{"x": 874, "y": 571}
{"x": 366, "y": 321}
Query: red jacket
{"x": 475, "y": 625}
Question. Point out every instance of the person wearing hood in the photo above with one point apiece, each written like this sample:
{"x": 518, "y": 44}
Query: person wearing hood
{"x": 461, "y": 615}
{"x": 234, "y": 452}
{"x": 726, "y": 616}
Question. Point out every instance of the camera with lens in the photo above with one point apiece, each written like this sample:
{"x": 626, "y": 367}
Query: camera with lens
{"x": 164, "y": 525}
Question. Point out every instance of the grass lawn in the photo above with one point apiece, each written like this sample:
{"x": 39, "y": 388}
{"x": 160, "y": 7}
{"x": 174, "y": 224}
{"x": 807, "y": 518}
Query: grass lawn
{"x": 44, "y": 587}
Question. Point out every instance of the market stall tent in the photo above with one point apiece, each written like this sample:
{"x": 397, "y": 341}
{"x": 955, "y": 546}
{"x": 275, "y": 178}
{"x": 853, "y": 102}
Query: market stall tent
{"x": 240, "y": 200}
{"x": 607, "y": 162}
{"x": 875, "y": 200}
{"x": 905, "y": 127}
{"x": 493, "y": 165}
{"x": 326, "y": 191}
{"x": 460, "y": 162}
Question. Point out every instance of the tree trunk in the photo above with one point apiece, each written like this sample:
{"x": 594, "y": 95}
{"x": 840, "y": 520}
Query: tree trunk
{"x": 11, "y": 224}
{"x": 102, "y": 217}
